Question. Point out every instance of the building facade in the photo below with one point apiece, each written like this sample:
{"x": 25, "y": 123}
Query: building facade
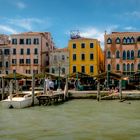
{"x": 59, "y": 61}
{"x": 86, "y": 56}
{"x": 30, "y": 52}
{"x": 122, "y": 52}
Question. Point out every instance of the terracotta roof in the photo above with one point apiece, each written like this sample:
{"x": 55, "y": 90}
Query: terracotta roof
{"x": 31, "y": 33}
{"x": 60, "y": 50}
{"x": 84, "y": 38}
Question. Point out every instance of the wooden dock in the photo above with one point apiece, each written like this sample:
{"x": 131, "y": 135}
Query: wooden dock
{"x": 51, "y": 99}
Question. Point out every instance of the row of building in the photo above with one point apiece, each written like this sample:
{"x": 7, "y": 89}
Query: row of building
{"x": 35, "y": 52}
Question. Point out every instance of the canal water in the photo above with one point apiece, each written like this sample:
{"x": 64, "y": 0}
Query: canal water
{"x": 73, "y": 120}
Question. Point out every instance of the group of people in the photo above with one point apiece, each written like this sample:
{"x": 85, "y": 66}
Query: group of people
{"x": 49, "y": 85}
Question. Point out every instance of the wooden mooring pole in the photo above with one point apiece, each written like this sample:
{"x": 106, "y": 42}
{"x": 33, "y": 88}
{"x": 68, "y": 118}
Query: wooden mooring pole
{"x": 33, "y": 86}
{"x": 2, "y": 88}
{"x": 98, "y": 90}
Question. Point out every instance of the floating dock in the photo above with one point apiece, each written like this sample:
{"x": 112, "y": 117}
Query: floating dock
{"x": 51, "y": 98}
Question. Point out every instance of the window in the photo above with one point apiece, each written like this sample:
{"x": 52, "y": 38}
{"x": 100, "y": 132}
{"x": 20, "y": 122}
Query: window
{"x": 91, "y": 45}
{"x": 91, "y": 69}
{"x": 21, "y": 41}
{"x": 128, "y": 67}
{"x": 124, "y": 67}
{"x": 132, "y": 55}
{"x": 14, "y": 71}
{"x": 63, "y": 70}
{"x": 82, "y": 56}
{"x": 83, "y": 45}
{"x": 83, "y": 69}
{"x": 128, "y": 55}
{"x": 35, "y": 71}
{"x": 28, "y": 51}
{"x": 74, "y": 46}
{"x": 109, "y": 67}
{"x": 74, "y": 69}
{"x": 117, "y": 67}
{"x": 14, "y": 61}
{"x": 63, "y": 57}
{"x": 53, "y": 70}
{"x": 91, "y": 56}
{"x": 14, "y": 41}
{"x": 35, "y": 51}
{"x": 74, "y": 57}
{"x": 35, "y": 61}
{"x": 28, "y": 41}
{"x": 132, "y": 40}
{"x": 118, "y": 41}
{"x": 7, "y": 64}
{"x": 128, "y": 40}
{"x": 138, "y": 53}
{"x": 55, "y": 58}
{"x": 6, "y": 71}
{"x": 117, "y": 54}
{"x": 132, "y": 67}
{"x": 28, "y": 61}
{"x": 0, "y": 64}
{"x": 124, "y": 55}
{"x": 21, "y": 51}
{"x": 28, "y": 71}
{"x": 139, "y": 67}
{"x": 108, "y": 54}
{"x": 124, "y": 40}
{"x": 109, "y": 41}
{"x": 0, "y": 52}
{"x": 21, "y": 61}
{"x": 14, "y": 51}
{"x": 138, "y": 39}
{"x": 6, "y": 51}
{"x": 36, "y": 41}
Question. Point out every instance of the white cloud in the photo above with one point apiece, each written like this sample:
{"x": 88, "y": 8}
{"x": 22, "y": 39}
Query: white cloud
{"x": 129, "y": 28}
{"x": 21, "y": 5}
{"x": 26, "y": 23}
{"x": 135, "y": 14}
{"x": 7, "y": 29}
{"x": 96, "y": 33}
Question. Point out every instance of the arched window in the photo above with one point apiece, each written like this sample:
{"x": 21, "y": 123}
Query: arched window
{"x": 124, "y": 55}
{"x": 132, "y": 54}
{"x": 108, "y": 54}
{"x": 132, "y": 40}
{"x": 63, "y": 70}
{"x": 117, "y": 67}
{"x": 124, "y": 67}
{"x": 139, "y": 67}
{"x": 118, "y": 40}
{"x": 128, "y": 55}
{"x": 132, "y": 67}
{"x": 109, "y": 41}
{"x": 138, "y": 39}
{"x": 117, "y": 54}
{"x": 53, "y": 70}
{"x": 128, "y": 67}
{"x": 128, "y": 40}
{"x": 124, "y": 40}
{"x": 108, "y": 67}
{"x": 138, "y": 53}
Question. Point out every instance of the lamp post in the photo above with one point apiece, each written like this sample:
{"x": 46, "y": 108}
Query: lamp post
{"x": 59, "y": 76}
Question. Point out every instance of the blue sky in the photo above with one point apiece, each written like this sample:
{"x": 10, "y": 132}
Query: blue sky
{"x": 90, "y": 17}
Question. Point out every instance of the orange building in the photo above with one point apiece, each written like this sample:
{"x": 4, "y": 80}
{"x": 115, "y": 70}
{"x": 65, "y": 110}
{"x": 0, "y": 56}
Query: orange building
{"x": 122, "y": 52}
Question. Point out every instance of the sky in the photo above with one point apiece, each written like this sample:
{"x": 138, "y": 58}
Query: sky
{"x": 59, "y": 17}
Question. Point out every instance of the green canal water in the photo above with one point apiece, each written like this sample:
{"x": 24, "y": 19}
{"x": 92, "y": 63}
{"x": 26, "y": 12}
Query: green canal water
{"x": 73, "y": 120}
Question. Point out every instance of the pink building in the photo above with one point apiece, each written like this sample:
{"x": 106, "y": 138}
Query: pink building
{"x": 30, "y": 52}
{"x": 122, "y": 52}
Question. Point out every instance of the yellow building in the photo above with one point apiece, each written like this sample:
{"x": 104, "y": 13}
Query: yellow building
{"x": 86, "y": 56}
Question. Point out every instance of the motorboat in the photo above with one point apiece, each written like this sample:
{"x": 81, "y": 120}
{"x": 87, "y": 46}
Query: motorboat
{"x": 23, "y": 99}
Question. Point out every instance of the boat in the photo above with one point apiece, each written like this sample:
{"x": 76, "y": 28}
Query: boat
{"x": 23, "y": 99}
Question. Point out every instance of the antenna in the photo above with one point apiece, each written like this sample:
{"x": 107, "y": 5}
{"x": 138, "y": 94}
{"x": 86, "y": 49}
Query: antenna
{"x": 74, "y": 34}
